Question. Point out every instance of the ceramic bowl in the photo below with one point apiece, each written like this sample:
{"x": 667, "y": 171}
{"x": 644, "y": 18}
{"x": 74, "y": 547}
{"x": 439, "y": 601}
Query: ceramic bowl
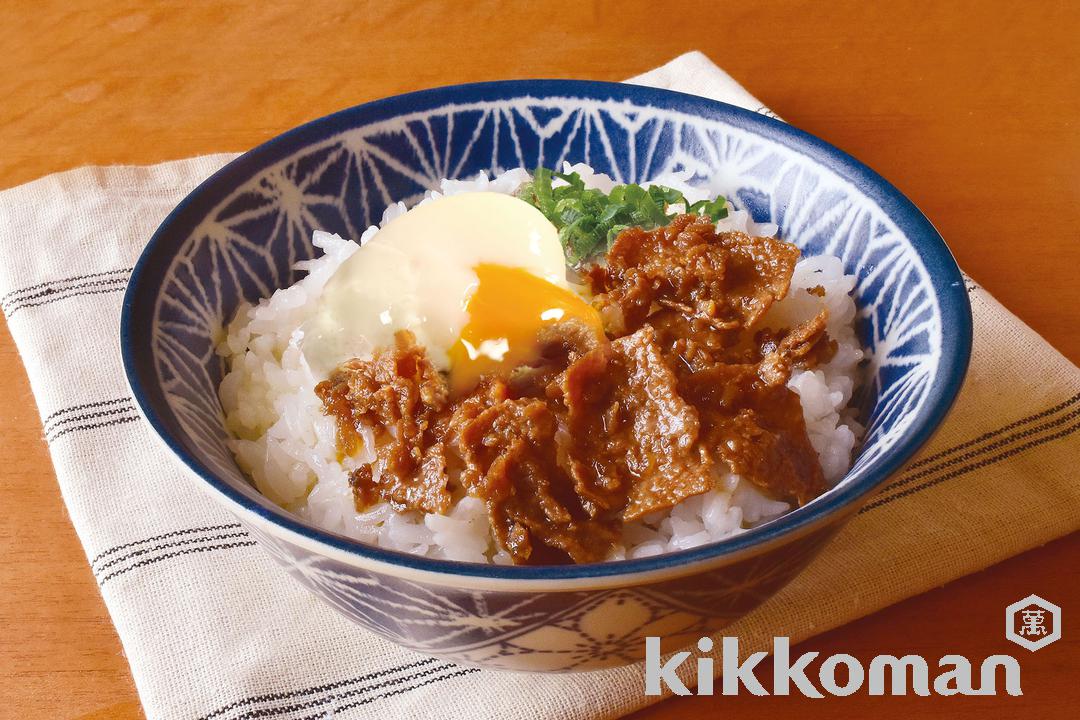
{"x": 238, "y": 235}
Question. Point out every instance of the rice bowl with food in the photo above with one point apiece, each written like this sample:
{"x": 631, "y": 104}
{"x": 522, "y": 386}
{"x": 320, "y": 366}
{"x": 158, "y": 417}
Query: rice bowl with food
{"x": 584, "y": 431}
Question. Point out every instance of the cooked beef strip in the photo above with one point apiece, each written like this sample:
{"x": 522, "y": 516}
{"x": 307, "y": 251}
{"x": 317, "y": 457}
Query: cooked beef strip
{"x": 400, "y": 395}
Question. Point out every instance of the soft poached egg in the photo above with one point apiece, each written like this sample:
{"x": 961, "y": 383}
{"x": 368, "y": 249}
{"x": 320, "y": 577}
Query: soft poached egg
{"x": 475, "y": 277}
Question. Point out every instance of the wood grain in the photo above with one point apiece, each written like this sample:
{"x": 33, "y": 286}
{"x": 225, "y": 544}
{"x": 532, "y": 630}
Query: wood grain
{"x": 969, "y": 108}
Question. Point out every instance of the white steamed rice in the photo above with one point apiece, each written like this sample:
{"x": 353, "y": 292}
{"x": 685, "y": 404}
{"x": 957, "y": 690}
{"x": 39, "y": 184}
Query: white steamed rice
{"x": 288, "y": 447}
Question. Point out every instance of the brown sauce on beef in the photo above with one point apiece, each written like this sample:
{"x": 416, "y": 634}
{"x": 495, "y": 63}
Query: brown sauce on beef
{"x": 597, "y": 432}
{"x": 401, "y": 395}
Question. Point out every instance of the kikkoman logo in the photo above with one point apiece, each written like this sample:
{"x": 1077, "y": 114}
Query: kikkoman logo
{"x": 1032, "y": 623}
{"x": 887, "y": 674}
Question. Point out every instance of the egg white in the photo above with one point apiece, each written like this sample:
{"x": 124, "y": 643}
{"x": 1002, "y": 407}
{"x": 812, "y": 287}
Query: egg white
{"x": 418, "y": 273}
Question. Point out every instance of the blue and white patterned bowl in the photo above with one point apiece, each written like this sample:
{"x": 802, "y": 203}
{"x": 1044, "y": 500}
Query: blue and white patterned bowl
{"x": 238, "y": 235}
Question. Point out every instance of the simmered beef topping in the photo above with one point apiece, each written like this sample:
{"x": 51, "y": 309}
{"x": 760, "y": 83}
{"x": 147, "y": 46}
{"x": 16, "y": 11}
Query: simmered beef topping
{"x": 657, "y": 427}
{"x": 598, "y": 432}
{"x": 400, "y": 395}
{"x": 726, "y": 281}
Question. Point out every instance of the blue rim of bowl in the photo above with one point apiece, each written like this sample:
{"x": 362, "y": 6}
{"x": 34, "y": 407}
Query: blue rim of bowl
{"x": 941, "y": 267}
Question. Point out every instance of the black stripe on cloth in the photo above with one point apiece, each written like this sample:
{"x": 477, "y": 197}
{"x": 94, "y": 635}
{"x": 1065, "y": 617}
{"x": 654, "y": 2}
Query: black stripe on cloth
{"x": 329, "y": 705}
{"x": 166, "y": 536}
{"x": 312, "y": 691}
{"x": 68, "y": 420}
{"x": 391, "y": 693}
{"x": 164, "y": 546}
{"x": 62, "y": 296}
{"x": 22, "y": 292}
{"x": 177, "y": 553}
{"x": 909, "y": 478}
{"x": 972, "y": 467}
{"x": 986, "y": 436}
{"x": 49, "y": 292}
{"x": 85, "y": 406}
{"x": 90, "y": 426}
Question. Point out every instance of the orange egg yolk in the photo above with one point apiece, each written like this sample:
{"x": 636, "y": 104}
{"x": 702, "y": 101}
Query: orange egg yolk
{"x": 506, "y": 313}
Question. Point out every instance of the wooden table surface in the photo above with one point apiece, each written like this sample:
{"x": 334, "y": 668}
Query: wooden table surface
{"x": 971, "y": 109}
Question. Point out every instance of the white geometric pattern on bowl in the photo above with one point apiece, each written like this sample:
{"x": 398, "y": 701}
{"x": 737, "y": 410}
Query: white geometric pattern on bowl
{"x": 539, "y": 631}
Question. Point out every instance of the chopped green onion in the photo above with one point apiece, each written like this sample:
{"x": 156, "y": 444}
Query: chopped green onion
{"x": 589, "y": 220}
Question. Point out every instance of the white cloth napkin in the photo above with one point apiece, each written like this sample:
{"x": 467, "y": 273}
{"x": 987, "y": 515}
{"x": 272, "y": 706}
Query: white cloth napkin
{"x": 215, "y": 631}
